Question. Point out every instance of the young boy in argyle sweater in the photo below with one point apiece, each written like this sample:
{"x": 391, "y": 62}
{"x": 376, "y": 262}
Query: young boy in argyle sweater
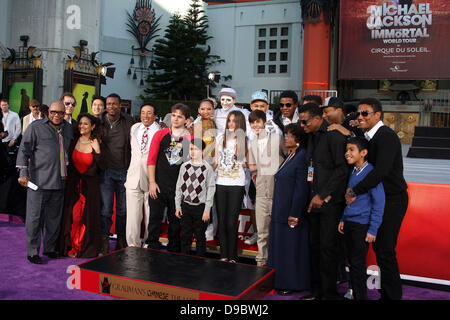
{"x": 194, "y": 197}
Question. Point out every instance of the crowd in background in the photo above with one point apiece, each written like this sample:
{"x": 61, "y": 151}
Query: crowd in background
{"x": 322, "y": 179}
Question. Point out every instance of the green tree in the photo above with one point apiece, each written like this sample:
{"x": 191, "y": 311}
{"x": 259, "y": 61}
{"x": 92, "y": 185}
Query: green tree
{"x": 182, "y": 57}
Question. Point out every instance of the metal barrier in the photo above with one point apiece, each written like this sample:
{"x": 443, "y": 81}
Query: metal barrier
{"x": 274, "y": 94}
{"x": 322, "y": 93}
{"x": 435, "y": 112}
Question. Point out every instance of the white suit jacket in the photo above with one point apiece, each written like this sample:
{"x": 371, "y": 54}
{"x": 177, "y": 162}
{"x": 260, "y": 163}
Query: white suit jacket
{"x": 137, "y": 175}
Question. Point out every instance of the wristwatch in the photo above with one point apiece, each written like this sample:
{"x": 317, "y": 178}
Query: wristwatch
{"x": 352, "y": 194}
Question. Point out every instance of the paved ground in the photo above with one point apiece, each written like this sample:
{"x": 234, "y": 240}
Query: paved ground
{"x": 425, "y": 170}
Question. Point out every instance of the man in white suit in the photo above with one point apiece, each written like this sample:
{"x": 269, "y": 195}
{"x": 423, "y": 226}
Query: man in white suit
{"x": 137, "y": 177}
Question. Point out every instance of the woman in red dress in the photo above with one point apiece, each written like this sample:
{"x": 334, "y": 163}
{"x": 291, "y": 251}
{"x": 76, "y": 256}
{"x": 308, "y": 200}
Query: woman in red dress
{"x": 81, "y": 225}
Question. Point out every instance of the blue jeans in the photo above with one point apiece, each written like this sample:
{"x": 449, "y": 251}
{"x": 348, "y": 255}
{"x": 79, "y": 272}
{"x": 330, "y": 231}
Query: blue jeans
{"x": 112, "y": 183}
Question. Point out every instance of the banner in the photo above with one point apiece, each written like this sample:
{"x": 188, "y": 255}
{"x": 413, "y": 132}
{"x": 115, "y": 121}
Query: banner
{"x": 394, "y": 39}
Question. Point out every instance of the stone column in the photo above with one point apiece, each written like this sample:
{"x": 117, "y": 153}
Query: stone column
{"x": 55, "y": 27}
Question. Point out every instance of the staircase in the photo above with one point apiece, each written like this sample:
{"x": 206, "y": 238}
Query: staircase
{"x": 430, "y": 143}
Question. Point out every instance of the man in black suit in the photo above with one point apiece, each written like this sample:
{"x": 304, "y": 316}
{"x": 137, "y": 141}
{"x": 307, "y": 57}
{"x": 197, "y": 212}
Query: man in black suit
{"x": 327, "y": 174}
{"x": 385, "y": 153}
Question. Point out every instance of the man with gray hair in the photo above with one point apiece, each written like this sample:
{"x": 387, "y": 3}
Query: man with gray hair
{"x": 42, "y": 161}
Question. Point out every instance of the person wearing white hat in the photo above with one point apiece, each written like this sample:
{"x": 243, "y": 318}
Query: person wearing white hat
{"x": 227, "y": 97}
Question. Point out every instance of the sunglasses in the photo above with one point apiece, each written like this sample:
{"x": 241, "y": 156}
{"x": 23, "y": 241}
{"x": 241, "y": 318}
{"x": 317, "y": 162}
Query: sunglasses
{"x": 59, "y": 113}
{"x": 363, "y": 113}
{"x": 304, "y": 122}
{"x": 35, "y": 106}
{"x": 287, "y": 105}
{"x": 67, "y": 103}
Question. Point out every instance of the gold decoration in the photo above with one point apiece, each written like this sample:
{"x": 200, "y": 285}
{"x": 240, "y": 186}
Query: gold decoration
{"x": 36, "y": 63}
{"x": 99, "y": 69}
{"x": 428, "y": 85}
{"x": 70, "y": 64}
{"x": 384, "y": 85}
{"x": 5, "y": 64}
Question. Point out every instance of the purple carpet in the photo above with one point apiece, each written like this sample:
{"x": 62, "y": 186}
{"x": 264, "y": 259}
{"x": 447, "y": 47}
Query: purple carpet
{"x": 21, "y": 280}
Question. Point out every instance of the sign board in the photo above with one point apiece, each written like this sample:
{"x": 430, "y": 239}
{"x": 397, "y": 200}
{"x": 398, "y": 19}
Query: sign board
{"x": 394, "y": 39}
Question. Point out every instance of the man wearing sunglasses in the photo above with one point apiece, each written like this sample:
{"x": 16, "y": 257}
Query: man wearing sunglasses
{"x": 70, "y": 103}
{"x": 42, "y": 160}
{"x": 287, "y": 113}
{"x": 35, "y": 114}
{"x": 327, "y": 177}
{"x": 385, "y": 154}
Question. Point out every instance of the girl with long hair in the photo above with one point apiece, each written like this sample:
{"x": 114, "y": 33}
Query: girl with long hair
{"x": 231, "y": 159}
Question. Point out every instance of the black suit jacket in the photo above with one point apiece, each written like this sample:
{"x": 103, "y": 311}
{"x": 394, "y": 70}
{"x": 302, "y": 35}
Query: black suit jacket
{"x": 385, "y": 153}
{"x": 326, "y": 150}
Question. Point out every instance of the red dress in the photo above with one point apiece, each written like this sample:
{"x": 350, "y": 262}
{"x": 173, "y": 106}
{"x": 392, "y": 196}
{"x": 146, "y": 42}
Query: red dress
{"x": 82, "y": 161}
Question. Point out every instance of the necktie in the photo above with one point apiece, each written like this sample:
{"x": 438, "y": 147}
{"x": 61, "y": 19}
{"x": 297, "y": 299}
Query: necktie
{"x": 62, "y": 155}
{"x": 144, "y": 140}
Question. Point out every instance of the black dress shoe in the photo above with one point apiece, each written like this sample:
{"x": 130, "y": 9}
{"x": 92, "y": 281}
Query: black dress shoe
{"x": 35, "y": 259}
{"x": 283, "y": 292}
{"x": 310, "y": 297}
{"x": 51, "y": 255}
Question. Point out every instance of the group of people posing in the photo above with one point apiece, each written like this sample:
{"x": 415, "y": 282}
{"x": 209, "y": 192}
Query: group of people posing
{"x": 319, "y": 172}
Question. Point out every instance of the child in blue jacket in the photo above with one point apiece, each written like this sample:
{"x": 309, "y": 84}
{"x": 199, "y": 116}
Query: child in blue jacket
{"x": 361, "y": 219}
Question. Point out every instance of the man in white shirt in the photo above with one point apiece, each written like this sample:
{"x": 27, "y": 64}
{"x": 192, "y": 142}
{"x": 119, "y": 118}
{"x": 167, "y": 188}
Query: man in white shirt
{"x": 35, "y": 114}
{"x": 288, "y": 111}
{"x": 11, "y": 123}
{"x": 137, "y": 176}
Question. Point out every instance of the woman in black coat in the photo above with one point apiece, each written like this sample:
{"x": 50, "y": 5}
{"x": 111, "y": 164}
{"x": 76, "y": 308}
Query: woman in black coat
{"x": 289, "y": 230}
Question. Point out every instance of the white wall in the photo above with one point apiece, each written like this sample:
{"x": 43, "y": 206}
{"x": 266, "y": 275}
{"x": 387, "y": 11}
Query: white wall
{"x": 233, "y": 27}
{"x": 116, "y": 43}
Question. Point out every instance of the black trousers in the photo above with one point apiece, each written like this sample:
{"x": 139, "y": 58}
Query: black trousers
{"x": 323, "y": 238}
{"x": 166, "y": 199}
{"x": 355, "y": 242}
{"x": 228, "y": 204}
{"x": 192, "y": 223}
{"x": 384, "y": 246}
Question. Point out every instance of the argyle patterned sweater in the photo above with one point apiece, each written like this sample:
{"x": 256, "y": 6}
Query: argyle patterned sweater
{"x": 196, "y": 184}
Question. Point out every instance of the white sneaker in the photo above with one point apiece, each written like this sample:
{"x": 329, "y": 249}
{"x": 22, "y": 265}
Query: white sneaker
{"x": 252, "y": 239}
{"x": 349, "y": 294}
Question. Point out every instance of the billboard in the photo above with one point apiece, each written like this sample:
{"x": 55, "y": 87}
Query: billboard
{"x": 394, "y": 39}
